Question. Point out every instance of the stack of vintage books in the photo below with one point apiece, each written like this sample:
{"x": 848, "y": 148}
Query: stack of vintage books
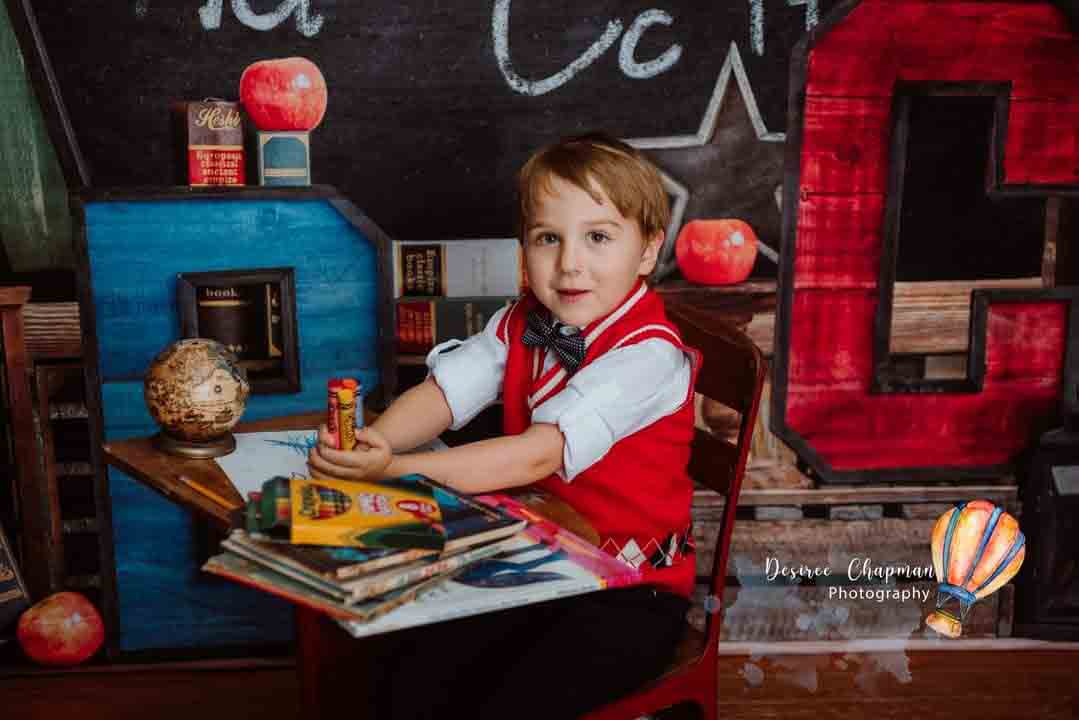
{"x": 387, "y": 555}
{"x": 356, "y": 550}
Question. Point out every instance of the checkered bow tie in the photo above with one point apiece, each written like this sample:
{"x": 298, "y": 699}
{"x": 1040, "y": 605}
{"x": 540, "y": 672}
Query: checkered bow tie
{"x": 566, "y": 341}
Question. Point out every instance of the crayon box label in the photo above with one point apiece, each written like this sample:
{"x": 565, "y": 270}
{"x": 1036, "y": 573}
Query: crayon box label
{"x": 387, "y": 514}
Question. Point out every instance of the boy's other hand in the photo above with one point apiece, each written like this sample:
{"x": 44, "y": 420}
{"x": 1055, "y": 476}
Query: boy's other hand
{"x": 366, "y": 461}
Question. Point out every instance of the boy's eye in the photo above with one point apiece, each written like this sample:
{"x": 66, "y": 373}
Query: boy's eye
{"x": 545, "y": 239}
{"x": 599, "y": 237}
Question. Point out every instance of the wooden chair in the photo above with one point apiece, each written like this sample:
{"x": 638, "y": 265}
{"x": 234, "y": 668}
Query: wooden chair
{"x": 732, "y": 374}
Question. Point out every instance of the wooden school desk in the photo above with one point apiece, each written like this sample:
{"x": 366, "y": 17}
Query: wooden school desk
{"x": 332, "y": 665}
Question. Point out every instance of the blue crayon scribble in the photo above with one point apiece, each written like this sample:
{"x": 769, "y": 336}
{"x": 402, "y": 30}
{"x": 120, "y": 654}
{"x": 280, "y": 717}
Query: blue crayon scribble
{"x": 301, "y": 443}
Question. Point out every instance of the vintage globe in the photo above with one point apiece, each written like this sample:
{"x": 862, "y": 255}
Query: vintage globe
{"x": 196, "y": 392}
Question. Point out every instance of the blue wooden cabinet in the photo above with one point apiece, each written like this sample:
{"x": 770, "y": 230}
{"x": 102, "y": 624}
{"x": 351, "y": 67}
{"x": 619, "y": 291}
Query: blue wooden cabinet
{"x": 131, "y": 246}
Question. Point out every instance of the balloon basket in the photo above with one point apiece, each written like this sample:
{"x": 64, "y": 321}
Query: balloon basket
{"x": 945, "y": 623}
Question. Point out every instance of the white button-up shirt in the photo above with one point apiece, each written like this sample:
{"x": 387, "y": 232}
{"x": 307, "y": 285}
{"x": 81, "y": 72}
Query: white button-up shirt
{"x": 612, "y": 397}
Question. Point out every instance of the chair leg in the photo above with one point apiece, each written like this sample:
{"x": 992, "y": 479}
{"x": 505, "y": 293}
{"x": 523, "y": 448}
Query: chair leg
{"x": 337, "y": 673}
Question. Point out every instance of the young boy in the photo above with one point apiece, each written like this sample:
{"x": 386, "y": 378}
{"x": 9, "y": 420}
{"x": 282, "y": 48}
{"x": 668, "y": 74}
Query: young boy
{"x": 597, "y": 393}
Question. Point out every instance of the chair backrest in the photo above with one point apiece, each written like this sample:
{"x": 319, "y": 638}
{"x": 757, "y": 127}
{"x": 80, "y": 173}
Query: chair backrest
{"x": 38, "y": 529}
{"x": 732, "y": 373}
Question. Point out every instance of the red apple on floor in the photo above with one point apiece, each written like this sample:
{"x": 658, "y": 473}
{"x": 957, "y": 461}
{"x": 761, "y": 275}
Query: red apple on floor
{"x": 62, "y": 629}
{"x": 716, "y": 252}
{"x": 284, "y": 94}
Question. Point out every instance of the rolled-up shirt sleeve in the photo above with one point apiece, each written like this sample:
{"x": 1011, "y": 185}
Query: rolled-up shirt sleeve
{"x": 613, "y": 397}
{"x": 470, "y": 373}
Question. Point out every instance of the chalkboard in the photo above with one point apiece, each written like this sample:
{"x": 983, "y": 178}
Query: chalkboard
{"x": 433, "y": 105}
{"x": 34, "y": 225}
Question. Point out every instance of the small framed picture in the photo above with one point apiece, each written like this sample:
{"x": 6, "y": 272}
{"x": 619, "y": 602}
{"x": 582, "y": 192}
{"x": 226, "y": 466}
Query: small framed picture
{"x": 252, "y": 313}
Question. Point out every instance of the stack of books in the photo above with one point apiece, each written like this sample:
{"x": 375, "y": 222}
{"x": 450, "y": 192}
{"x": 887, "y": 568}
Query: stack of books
{"x": 384, "y": 556}
{"x": 355, "y": 551}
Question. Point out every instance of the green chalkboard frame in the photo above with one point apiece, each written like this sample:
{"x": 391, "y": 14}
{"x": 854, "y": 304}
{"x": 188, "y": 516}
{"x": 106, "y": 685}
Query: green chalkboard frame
{"x": 57, "y": 121}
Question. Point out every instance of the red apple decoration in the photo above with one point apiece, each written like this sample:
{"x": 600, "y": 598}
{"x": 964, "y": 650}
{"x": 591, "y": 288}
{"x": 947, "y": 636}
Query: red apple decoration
{"x": 284, "y": 94}
{"x": 716, "y": 252}
{"x": 62, "y": 629}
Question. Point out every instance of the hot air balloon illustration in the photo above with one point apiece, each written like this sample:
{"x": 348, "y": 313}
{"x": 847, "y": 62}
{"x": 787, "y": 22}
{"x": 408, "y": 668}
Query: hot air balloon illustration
{"x": 977, "y": 548}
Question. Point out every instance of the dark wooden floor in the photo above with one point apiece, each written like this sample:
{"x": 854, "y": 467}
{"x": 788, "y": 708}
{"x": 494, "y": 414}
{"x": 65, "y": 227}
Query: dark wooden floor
{"x": 798, "y": 680}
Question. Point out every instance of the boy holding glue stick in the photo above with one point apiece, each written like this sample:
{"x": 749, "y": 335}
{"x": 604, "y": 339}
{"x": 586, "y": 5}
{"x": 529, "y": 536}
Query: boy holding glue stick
{"x": 596, "y": 387}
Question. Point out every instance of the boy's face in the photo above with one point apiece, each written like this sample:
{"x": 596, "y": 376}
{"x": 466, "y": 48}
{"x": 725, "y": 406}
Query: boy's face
{"x": 584, "y": 257}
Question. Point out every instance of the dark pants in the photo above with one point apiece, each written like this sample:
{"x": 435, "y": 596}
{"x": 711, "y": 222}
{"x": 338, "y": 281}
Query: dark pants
{"x": 555, "y": 660}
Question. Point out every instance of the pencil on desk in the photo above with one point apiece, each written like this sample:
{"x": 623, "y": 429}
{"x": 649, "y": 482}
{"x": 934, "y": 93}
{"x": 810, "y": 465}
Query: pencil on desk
{"x": 207, "y": 492}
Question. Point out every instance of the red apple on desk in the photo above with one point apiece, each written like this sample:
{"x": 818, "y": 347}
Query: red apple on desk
{"x": 284, "y": 94}
{"x": 62, "y": 629}
{"x": 716, "y": 252}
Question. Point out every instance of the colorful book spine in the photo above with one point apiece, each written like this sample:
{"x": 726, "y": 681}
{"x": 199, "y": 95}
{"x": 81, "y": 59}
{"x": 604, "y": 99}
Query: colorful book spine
{"x": 422, "y": 324}
{"x": 459, "y": 268}
{"x": 392, "y": 579}
{"x": 329, "y": 563}
{"x": 242, "y": 570}
{"x": 371, "y": 585}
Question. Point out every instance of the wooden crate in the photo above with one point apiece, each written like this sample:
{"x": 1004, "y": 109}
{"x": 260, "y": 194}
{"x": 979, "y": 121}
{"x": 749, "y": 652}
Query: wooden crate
{"x": 782, "y": 520}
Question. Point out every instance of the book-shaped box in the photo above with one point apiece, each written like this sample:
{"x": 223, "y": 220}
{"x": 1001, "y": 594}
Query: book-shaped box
{"x": 210, "y": 142}
{"x": 489, "y": 267}
{"x": 283, "y": 158}
{"x": 541, "y": 563}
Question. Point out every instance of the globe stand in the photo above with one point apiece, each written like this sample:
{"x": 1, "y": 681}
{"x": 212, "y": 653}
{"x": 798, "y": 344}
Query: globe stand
{"x": 217, "y": 447}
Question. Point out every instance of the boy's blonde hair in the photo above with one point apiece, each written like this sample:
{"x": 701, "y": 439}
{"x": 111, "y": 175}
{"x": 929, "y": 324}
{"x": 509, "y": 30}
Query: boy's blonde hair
{"x": 594, "y": 159}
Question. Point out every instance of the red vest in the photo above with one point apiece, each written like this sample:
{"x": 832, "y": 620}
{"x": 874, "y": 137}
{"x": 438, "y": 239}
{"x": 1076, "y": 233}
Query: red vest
{"x": 638, "y": 495}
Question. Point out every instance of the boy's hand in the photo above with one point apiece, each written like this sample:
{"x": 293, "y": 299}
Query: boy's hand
{"x": 367, "y": 460}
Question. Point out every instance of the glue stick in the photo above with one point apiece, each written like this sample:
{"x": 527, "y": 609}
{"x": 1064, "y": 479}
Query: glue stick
{"x": 332, "y": 386}
{"x": 346, "y": 418}
{"x": 354, "y": 385}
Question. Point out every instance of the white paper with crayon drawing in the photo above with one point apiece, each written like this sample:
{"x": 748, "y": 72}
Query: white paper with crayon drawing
{"x": 261, "y": 455}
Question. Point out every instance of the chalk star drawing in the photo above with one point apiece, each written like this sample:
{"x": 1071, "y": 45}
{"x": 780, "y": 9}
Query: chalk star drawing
{"x": 731, "y": 167}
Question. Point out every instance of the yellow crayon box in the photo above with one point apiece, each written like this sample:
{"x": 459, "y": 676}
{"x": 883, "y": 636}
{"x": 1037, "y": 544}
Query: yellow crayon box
{"x": 398, "y": 513}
